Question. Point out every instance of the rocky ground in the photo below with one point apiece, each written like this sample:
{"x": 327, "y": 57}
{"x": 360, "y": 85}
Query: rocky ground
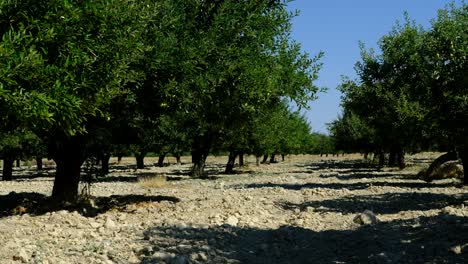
{"x": 304, "y": 210}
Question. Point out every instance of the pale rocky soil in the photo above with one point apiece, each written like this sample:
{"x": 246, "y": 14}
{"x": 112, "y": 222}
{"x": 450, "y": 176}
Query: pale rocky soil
{"x": 297, "y": 211}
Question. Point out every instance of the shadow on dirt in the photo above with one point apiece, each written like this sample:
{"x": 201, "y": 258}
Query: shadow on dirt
{"x": 389, "y": 203}
{"x": 39, "y": 204}
{"x": 357, "y": 164}
{"x": 349, "y": 186}
{"x": 420, "y": 240}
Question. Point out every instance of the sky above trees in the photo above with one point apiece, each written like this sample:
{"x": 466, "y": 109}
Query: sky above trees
{"x": 336, "y": 27}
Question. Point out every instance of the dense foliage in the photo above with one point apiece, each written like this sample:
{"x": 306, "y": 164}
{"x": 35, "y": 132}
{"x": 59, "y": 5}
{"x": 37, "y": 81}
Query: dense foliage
{"x": 95, "y": 78}
{"x": 414, "y": 93}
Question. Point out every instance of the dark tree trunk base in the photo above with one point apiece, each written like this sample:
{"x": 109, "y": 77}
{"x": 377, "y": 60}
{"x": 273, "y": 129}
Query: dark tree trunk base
{"x": 178, "y": 161}
{"x": 39, "y": 163}
{"x": 241, "y": 159}
{"x": 201, "y": 146}
{"x": 140, "y": 160}
{"x": 161, "y": 160}
{"x": 381, "y": 159}
{"x": 230, "y": 164}
{"x": 69, "y": 157}
{"x": 7, "y": 169}
{"x": 401, "y": 159}
{"x": 105, "y": 164}
{"x": 392, "y": 159}
{"x": 272, "y": 158}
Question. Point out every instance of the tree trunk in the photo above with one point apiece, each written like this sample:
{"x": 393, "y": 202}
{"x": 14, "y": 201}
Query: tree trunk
{"x": 282, "y": 157}
{"x": 392, "y": 159}
{"x": 366, "y": 155}
{"x": 69, "y": 156}
{"x": 105, "y": 163}
{"x": 381, "y": 159}
{"x": 119, "y": 159}
{"x": 230, "y": 164}
{"x": 265, "y": 158}
{"x": 140, "y": 159}
{"x": 451, "y": 155}
{"x": 178, "y": 160}
{"x": 272, "y": 158}
{"x": 161, "y": 160}
{"x": 241, "y": 159}
{"x": 18, "y": 163}
{"x": 39, "y": 163}
{"x": 464, "y": 159}
{"x": 401, "y": 159}
{"x": 7, "y": 169}
{"x": 257, "y": 160}
{"x": 200, "y": 148}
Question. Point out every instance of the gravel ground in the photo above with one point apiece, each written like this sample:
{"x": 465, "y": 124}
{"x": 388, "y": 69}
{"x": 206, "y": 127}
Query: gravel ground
{"x": 304, "y": 210}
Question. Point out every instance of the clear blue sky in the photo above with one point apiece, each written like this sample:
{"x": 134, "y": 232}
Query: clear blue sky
{"x": 336, "y": 27}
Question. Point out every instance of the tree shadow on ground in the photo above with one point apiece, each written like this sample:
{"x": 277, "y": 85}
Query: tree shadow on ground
{"x": 371, "y": 175}
{"x": 349, "y": 186}
{"x": 39, "y": 204}
{"x": 420, "y": 240}
{"x": 357, "y": 164}
{"x": 388, "y": 203}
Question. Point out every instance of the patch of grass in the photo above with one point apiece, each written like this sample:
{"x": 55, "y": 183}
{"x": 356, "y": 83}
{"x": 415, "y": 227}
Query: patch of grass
{"x": 156, "y": 181}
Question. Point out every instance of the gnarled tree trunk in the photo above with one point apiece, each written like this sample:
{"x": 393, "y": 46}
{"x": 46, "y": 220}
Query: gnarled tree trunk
{"x": 161, "y": 160}
{"x": 39, "y": 163}
{"x": 451, "y": 155}
{"x": 200, "y": 149}
{"x": 140, "y": 159}
{"x": 231, "y": 161}
{"x": 69, "y": 156}
{"x": 272, "y": 158}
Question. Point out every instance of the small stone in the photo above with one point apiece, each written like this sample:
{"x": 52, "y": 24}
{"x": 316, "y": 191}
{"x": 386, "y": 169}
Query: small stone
{"x": 366, "y": 218}
{"x": 232, "y": 221}
{"x": 202, "y": 256}
{"x": 456, "y": 249}
{"x": 94, "y": 224}
{"x": 164, "y": 256}
{"x": 448, "y": 210}
{"x": 110, "y": 224}
{"x": 21, "y": 256}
